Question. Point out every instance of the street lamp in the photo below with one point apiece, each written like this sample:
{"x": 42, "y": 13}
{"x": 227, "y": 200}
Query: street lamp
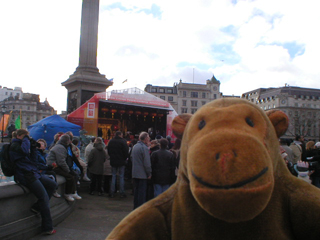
{"x": 3, "y": 109}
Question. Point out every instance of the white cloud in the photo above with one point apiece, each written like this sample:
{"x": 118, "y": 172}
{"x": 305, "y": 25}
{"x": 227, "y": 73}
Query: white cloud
{"x": 40, "y": 44}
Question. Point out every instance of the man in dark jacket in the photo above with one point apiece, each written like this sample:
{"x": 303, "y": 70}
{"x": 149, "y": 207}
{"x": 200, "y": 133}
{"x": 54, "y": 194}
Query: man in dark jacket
{"x": 118, "y": 151}
{"x": 96, "y": 160}
{"x": 27, "y": 173}
{"x": 163, "y": 168}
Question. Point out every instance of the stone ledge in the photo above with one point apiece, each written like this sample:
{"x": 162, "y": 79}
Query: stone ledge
{"x": 17, "y": 221}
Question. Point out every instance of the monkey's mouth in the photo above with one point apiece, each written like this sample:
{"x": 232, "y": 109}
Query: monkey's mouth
{"x": 231, "y": 186}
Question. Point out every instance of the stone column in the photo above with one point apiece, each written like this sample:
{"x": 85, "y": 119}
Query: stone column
{"x": 89, "y": 34}
{"x": 86, "y": 80}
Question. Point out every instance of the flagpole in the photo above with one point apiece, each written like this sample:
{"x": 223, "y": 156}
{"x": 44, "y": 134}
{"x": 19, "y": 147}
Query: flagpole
{"x": 193, "y": 74}
{"x": 3, "y": 109}
{"x": 2, "y": 128}
{"x": 20, "y": 119}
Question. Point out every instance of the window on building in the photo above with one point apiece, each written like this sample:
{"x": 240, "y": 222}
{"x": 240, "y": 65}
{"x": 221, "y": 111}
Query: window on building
{"x": 163, "y": 97}
{"x": 6, "y": 93}
{"x": 184, "y": 102}
{"x": 170, "y": 98}
{"x": 184, "y": 94}
{"x": 296, "y": 104}
{"x": 214, "y": 96}
{"x": 194, "y": 94}
{"x": 203, "y": 95}
{"x": 161, "y": 90}
{"x": 170, "y": 90}
{"x": 194, "y": 103}
{"x": 184, "y": 110}
{"x": 28, "y": 118}
{"x": 11, "y": 93}
{"x": 13, "y": 107}
{"x": 153, "y": 90}
{"x": 203, "y": 103}
{"x": 193, "y": 110}
{"x": 28, "y": 107}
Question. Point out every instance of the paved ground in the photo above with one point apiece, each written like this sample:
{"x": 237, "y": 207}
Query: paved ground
{"x": 93, "y": 218}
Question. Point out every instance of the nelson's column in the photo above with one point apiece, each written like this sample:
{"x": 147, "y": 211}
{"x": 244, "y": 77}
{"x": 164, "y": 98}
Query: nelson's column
{"x": 86, "y": 80}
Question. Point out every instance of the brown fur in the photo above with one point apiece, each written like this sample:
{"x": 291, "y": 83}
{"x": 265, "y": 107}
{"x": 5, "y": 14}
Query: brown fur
{"x": 232, "y": 182}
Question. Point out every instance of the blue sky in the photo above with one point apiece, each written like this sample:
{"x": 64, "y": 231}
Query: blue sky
{"x": 245, "y": 44}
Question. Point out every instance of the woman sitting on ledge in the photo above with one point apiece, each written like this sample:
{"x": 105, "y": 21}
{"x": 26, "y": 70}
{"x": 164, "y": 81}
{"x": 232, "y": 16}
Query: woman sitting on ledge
{"x": 27, "y": 174}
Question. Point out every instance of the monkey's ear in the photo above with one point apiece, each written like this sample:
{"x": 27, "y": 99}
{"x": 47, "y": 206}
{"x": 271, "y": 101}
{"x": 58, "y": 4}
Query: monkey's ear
{"x": 179, "y": 124}
{"x": 279, "y": 120}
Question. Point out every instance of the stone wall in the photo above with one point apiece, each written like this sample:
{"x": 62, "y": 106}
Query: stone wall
{"x": 16, "y": 219}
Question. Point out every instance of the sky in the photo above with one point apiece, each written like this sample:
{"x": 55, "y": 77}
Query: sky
{"x": 245, "y": 44}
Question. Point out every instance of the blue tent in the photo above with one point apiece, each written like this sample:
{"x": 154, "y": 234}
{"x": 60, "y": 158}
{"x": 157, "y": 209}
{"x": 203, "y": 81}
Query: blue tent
{"x": 49, "y": 126}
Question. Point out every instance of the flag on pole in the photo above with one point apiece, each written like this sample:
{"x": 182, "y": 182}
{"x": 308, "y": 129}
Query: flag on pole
{"x": 4, "y": 122}
{"x": 17, "y": 123}
{"x": 125, "y": 81}
{"x": 111, "y": 79}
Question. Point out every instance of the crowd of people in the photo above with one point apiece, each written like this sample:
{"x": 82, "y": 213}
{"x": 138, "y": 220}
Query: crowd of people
{"x": 302, "y": 158}
{"x": 150, "y": 166}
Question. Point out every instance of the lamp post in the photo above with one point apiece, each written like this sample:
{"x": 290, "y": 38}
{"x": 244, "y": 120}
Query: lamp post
{"x": 3, "y": 109}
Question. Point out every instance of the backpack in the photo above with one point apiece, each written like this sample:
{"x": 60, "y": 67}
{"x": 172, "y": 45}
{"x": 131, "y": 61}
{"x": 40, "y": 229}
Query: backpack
{"x": 7, "y": 166}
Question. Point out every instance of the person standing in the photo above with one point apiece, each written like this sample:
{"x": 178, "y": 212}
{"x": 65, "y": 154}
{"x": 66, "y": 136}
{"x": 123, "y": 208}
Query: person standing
{"x": 154, "y": 146}
{"x": 141, "y": 169}
{"x": 118, "y": 151}
{"x": 287, "y": 149}
{"x": 163, "y": 168}
{"x": 107, "y": 173}
{"x": 313, "y": 155}
{"x": 296, "y": 147}
{"x": 170, "y": 144}
{"x": 88, "y": 149}
{"x": 27, "y": 174}
{"x": 84, "y": 165}
{"x": 97, "y": 157}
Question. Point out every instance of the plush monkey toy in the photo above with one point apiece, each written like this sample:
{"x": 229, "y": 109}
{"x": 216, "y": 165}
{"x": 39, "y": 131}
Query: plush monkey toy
{"x": 232, "y": 182}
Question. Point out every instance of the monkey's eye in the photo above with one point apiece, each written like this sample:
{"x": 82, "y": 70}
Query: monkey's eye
{"x": 202, "y": 123}
{"x": 249, "y": 122}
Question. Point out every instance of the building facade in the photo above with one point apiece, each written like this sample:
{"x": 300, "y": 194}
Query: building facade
{"x": 9, "y": 92}
{"x": 187, "y": 97}
{"x": 302, "y": 106}
{"x": 32, "y": 110}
